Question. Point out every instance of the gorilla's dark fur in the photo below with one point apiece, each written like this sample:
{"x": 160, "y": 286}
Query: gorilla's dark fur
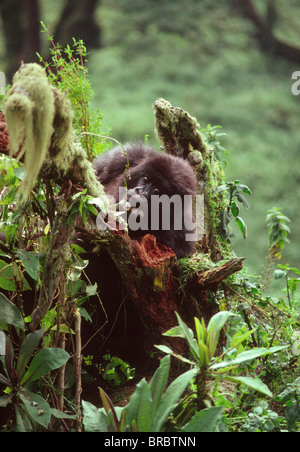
{"x": 144, "y": 171}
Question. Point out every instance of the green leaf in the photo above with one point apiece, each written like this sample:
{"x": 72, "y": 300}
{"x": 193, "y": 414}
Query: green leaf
{"x": 27, "y": 348}
{"x": 214, "y": 327}
{"x": 9, "y": 313}
{"x": 188, "y": 334}
{"x": 279, "y": 274}
{"x": 139, "y": 408}
{"x": 222, "y": 188}
{"x": 37, "y": 408}
{"x": 242, "y": 200}
{"x": 23, "y": 423}
{"x": 201, "y": 330}
{"x": 45, "y": 361}
{"x": 295, "y": 270}
{"x": 245, "y": 189}
{"x": 235, "y": 209}
{"x": 60, "y": 415}
{"x": 94, "y": 419}
{"x": 176, "y": 331}
{"x": 205, "y": 421}
{"x": 254, "y": 383}
{"x": 5, "y": 400}
{"x": 247, "y": 356}
{"x": 9, "y": 275}
{"x": 237, "y": 340}
{"x": 165, "y": 349}
{"x": 170, "y": 399}
{"x": 31, "y": 263}
{"x": 242, "y": 226}
{"x": 159, "y": 382}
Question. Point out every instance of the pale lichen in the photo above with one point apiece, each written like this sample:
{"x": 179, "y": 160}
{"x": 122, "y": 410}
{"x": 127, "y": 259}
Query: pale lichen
{"x": 39, "y": 123}
{"x": 29, "y": 112}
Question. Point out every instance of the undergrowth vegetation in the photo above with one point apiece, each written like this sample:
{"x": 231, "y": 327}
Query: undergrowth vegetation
{"x": 242, "y": 369}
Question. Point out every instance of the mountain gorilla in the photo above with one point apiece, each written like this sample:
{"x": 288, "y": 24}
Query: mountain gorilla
{"x": 150, "y": 180}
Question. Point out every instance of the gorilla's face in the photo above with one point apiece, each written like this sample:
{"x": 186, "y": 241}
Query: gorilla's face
{"x": 153, "y": 205}
{"x": 144, "y": 187}
{"x": 154, "y": 192}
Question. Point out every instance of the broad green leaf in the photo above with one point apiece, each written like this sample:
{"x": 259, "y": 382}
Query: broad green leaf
{"x": 247, "y": 356}
{"x": 204, "y": 356}
{"x": 139, "y": 408}
{"x": 205, "y": 421}
{"x": 295, "y": 270}
{"x": 278, "y": 274}
{"x": 201, "y": 330}
{"x": 237, "y": 340}
{"x": 242, "y": 200}
{"x": 44, "y": 361}
{"x": 242, "y": 226}
{"x": 9, "y": 313}
{"x": 94, "y": 419}
{"x": 23, "y": 423}
{"x": 5, "y": 400}
{"x": 235, "y": 209}
{"x": 37, "y": 408}
{"x": 254, "y": 383}
{"x": 9, "y": 274}
{"x": 189, "y": 336}
{"x": 31, "y": 263}
{"x": 60, "y": 415}
{"x": 27, "y": 349}
{"x": 165, "y": 349}
{"x": 159, "y": 382}
{"x": 170, "y": 399}
{"x": 176, "y": 331}
{"x": 245, "y": 189}
{"x": 214, "y": 327}
{"x": 222, "y": 188}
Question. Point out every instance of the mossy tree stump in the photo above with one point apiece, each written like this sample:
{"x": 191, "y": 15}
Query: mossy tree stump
{"x": 150, "y": 272}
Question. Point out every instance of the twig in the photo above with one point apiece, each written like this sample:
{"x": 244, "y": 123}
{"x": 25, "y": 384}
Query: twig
{"x": 77, "y": 360}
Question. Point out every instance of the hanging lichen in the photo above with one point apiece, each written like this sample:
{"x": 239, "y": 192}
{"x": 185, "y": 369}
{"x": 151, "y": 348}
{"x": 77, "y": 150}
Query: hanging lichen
{"x": 29, "y": 113}
{"x": 39, "y": 123}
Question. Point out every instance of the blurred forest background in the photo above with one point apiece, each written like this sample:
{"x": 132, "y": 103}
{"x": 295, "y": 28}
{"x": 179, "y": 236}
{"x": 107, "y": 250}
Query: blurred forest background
{"x": 227, "y": 63}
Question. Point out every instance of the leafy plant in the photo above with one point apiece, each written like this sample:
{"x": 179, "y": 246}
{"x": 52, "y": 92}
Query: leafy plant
{"x": 85, "y": 205}
{"x": 68, "y": 71}
{"x": 115, "y": 370}
{"x": 261, "y": 419}
{"x": 283, "y": 271}
{"x": 235, "y": 191}
{"x": 30, "y": 407}
{"x": 212, "y": 136}
{"x": 202, "y": 349}
{"x": 278, "y": 231}
{"x": 290, "y": 398}
{"x": 149, "y": 407}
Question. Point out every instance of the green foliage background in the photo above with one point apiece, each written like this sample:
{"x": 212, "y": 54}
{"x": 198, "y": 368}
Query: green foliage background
{"x": 201, "y": 57}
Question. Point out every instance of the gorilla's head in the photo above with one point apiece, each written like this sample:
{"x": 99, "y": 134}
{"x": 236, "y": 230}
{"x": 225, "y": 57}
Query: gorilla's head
{"x": 157, "y": 191}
